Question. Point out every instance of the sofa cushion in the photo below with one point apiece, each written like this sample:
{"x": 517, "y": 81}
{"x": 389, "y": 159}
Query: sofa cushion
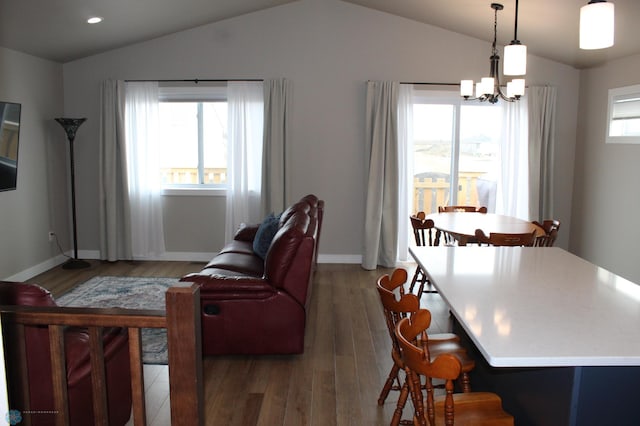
{"x": 266, "y": 231}
{"x": 246, "y": 232}
{"x": 238, "y": 246}
{"x": 246, "y": 264}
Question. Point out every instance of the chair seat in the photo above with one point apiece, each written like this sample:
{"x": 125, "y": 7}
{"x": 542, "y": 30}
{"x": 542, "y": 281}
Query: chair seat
{"x": 475, "y": 408}
{"x": 438, "y": 348}
{"x": 437, "y": 337}
{"x": 445, "y": 347}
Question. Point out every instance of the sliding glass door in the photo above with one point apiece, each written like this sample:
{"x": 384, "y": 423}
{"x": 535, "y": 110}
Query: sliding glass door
{"x": 456, "y": 152}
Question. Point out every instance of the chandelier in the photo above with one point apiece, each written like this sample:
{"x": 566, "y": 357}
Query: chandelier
{"x": 489, "y": 89}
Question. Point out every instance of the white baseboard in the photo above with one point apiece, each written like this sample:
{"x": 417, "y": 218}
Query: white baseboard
{"x": 183, "y": 256}
{"x": 169, "y": 256}
{"x": 340, "y": 258}
{"x": 38, "y": 269}
{"x": 187, "y": 256}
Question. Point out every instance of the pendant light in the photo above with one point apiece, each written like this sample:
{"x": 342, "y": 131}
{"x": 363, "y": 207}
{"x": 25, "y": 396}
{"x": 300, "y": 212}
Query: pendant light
{"x": 596, "y": 25}
{"x": 515, "y": 54}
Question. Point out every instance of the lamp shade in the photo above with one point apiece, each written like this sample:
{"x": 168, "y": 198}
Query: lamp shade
{"x": 596, "y": 25}
{"x": 70, "y": 126}
{"x": 487, "y": 85}
{"x": 466, "y": 88}
{"x": 515, "y": 59}
{"x": 515, "y": 88}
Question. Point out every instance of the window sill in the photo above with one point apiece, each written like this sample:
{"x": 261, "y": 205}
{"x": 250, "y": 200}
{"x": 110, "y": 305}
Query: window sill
{"x": 194, "y": 192}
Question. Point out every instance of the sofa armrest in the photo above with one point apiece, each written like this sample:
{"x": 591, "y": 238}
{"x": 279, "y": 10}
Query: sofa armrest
{"x": 231, "y": 284}
{"x": 246, "y": 233}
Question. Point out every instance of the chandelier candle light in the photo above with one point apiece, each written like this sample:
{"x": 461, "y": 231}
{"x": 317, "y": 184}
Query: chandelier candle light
{"x": 489, "y": 88}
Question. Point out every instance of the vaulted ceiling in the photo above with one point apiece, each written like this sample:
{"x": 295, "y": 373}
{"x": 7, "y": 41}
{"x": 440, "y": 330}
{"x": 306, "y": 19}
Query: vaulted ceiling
{"x": 57, "y": 29}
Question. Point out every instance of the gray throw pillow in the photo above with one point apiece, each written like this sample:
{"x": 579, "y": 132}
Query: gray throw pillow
{"x": 266, "y": 231}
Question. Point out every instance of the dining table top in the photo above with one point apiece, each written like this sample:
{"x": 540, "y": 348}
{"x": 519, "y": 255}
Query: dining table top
{"x": 463, "y": 225}
{"x": 537, "y": 306}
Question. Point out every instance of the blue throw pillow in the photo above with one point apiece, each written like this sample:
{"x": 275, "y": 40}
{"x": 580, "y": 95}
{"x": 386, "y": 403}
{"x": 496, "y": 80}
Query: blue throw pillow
{"x": 266, "y": 231}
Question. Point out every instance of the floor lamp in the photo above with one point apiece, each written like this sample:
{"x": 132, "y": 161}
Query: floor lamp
{"x": 71, "y": 125}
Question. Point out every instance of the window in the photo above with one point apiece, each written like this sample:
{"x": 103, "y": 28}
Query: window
{"x": 193, "y": 137}
{"x": 623, "y": 124}
{"x": 456, "y": 151}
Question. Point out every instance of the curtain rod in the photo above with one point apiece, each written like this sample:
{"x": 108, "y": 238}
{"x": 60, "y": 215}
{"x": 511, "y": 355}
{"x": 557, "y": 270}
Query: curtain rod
{"x": 437, "y": 84}
{"x": 424, "y": 83}
{"x": 429, "y": 84}
{"x": 195, "y": 80}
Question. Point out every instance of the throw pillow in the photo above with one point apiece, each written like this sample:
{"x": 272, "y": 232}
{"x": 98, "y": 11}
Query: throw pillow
{"x": 266, "y": 231}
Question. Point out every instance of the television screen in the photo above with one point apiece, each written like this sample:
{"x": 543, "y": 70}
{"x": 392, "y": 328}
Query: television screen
{"x": 9, "y": 135}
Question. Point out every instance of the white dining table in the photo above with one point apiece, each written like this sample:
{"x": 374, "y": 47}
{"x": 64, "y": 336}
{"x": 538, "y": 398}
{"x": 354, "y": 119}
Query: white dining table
{"x": 462, "y": 225}
{"x": 537, "y": 309}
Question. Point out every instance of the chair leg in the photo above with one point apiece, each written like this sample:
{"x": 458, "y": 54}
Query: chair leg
{"x": 388, "y": 385}
{"x": 415, "y": 390}
{"x": 423, "y": 280}
{"x": 466, "y": 383}
{"x": 402, "y": 400}
{"x": 414, "y": 280}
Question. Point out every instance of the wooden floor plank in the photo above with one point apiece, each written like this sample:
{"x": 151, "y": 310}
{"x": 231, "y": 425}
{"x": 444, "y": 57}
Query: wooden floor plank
{"x": 274, "y": 403}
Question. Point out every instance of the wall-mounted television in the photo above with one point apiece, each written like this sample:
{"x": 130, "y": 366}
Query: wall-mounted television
{"x": 9, "y": 137}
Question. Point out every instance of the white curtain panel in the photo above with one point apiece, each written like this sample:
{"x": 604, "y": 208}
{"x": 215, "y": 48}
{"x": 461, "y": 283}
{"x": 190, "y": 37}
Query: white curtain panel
{"x": 245, "y": 129}
{"x": 512, "y": 198}
{"x": 381, "y": 210}
{"x": 277, "y": 108}
{"x": 405, "y": 168}
{"x": 542, "y": 121}
{"x": 115, "y": 227}
{"x": 143, "y": 169}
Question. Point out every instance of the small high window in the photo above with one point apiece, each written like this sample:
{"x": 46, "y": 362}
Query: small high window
{"x": 623, "y": 122}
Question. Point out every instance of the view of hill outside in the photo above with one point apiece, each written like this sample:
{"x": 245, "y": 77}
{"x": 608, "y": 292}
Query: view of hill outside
{"x": 434, "y": 134}
{"x": 185, "y": 139}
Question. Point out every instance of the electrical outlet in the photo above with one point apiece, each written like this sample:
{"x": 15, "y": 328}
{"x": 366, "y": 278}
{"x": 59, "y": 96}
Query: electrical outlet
{"x": 52, "y": 235}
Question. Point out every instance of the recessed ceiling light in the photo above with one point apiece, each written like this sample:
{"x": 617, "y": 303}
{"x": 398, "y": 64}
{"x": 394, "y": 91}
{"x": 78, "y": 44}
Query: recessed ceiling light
{"x": 94, "y": 20}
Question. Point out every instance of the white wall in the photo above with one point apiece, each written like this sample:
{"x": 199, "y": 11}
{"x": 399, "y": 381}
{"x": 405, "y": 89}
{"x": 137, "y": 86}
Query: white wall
{"x": 328, "y": 49}
{"x": 40, "y": 202}
{"x": 607, "y": 199}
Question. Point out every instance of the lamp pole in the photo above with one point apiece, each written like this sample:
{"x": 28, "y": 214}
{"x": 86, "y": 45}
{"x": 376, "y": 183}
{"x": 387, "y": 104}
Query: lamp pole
{"x": 70, "y": 126}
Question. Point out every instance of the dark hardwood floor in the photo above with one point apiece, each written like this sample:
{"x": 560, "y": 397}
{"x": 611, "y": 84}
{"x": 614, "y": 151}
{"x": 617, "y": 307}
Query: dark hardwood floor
{"x": 336, "y": 381}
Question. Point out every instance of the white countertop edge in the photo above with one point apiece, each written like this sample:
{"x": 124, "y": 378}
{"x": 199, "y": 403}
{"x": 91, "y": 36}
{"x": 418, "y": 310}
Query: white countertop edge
{"x": 541, "y": 362}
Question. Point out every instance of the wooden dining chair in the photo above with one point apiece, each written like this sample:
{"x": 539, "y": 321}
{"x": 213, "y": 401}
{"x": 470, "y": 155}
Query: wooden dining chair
{"x": 551, "y": 227}
{"x": 546, "y": 240}
{"x": 424, "y": 234}
{"x": 396, "y": 308}
{"x": 548, "y": 225}
{"x": 466, "y": 209}
{"x": 505, "y": 239}
{"x": 473, "y": 408}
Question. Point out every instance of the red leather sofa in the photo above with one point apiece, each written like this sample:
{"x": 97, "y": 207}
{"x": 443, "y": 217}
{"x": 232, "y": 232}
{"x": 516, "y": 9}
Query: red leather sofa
{"x": 41, "y": 409}
{"x": 252, "y": 305}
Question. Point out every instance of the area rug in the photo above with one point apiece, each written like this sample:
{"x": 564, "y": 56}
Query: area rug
{"x": 130, "y": 293}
